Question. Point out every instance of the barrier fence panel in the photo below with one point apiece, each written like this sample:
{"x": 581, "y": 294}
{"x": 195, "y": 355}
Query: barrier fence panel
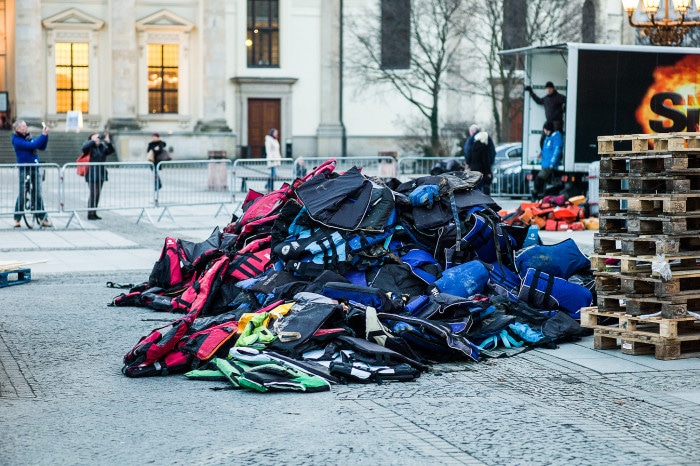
{"x": 414, "y": 167}
{"x": 194, "y": 182}
{"x": 129, "y": 185}
{"x": 510, "y": 184}
{"x": 497, "y": 186}
{"x": 50, "y": 185}
{"x": 382, "y": 167}
{"x": 254, "y": 174}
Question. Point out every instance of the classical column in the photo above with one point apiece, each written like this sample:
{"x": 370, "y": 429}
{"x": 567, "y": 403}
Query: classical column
{"x": 330, "y": 129}
{"x": 213, "y": 67}
{"x": 30, "y": 56}
{"x": 124, "y": 64}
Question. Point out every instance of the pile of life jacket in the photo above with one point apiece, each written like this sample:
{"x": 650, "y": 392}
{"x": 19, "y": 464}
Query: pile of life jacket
{"x": 344, "y": 278}
{"x": 553, "y": 213}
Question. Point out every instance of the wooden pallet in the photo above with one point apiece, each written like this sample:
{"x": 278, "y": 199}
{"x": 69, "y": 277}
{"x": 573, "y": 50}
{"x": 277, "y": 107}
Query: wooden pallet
{"x": 682, "y": 283}
{"x": 661, "y": 348}
{"x": 15, "y": 277}
{"x": 665, "y": 338}
{"x": 649, "y": 163}
{"x": 669, "y": 307}
{"x": 643, "y": 264}
{"x": 650, "y": 184}
{"x": 646, "y": 245}
{"x": 649, "y": 143}
{"x": 649, "y": 204}
{"x": 673, "y": 328}
{"x": 649, "y": 225}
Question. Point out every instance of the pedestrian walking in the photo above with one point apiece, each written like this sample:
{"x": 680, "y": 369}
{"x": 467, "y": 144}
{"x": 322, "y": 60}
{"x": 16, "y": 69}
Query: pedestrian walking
{"x": 273, "y": 156}
{"x": 157, "y": 152}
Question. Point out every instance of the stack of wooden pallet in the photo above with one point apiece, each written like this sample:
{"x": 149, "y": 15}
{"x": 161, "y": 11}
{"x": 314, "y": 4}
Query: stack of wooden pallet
{"x": 648, "y": 246}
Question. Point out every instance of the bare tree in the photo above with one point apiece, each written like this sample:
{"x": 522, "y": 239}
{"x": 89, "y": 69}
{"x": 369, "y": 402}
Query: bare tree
{"x": 433, "y": 42}
{"x": 546, "y": 22}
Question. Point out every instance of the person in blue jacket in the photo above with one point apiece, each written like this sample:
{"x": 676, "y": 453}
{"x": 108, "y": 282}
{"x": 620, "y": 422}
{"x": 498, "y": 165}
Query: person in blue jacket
{"x": 27, "y": 151}
{"x": 551, "y": 157}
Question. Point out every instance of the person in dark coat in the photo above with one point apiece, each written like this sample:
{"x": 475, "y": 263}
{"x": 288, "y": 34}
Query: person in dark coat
{"x": 480, "y": 160}
{"x": 156, "y": 149}
{"x": 99, "y": 147}
{"x": 473, "y": 131}
{"x": 554, "y": 104}
{"x": 157, "y": 153}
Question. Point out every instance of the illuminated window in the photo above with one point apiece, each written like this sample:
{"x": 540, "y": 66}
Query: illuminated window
{"x": 72, "y": 76}
{"x": 263, "y": 33}
{"x": 162, "y": 78}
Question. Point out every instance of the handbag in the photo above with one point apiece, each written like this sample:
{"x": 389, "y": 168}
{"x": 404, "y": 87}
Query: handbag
{"x": 164, "y": 156}
{"x": 82, "y": 170}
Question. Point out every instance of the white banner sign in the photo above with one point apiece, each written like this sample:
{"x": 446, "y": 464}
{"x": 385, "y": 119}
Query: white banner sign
{"x": 74, "y": 120}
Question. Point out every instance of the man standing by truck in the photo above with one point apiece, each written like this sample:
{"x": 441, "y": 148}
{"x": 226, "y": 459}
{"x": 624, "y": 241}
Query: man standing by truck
{"x": 553, "y": 103}
{"x": 551, "y": 157}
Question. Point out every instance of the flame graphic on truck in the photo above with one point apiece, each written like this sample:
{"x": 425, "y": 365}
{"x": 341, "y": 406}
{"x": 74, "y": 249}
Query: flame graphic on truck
{"x": 671, "y": 102}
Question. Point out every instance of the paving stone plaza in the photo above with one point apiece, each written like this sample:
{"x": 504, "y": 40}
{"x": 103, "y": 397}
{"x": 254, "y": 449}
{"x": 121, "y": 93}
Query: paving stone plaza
{"x": 65, "y": 401}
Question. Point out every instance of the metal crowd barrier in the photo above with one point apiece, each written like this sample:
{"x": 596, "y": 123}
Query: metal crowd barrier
{"x": 414, "y": 167}
{"x": 194, "y": 182}
{"x": 129, "y": 185}
{"x": 140, "y": 185}
{"x": 382, "y": 167}
{"x": 50, "y": 187}
{"x": 511, "y": 184}
{"x": 254, "y": 174}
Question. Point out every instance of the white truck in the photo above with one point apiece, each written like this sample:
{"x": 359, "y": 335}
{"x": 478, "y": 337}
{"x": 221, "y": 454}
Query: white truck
{"x": 610, "y": 90}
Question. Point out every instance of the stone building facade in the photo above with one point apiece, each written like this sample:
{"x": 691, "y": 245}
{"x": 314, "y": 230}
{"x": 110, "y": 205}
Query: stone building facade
{"x": 206, "y": 74}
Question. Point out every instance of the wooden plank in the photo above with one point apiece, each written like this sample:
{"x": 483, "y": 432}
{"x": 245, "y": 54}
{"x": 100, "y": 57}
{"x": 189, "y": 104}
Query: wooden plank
{"x": 649, "y": 204}
{"x": 668, "y": 307}
{"x": 625, "y": 326}
{"x": 14, "y": 265}
{"x": 650, "y": 225}
{"x": 640, "y": 264}
{"x": 649, "y": 143}
{"x": 678, "y": 246}
{"x": 649, "y": 184}
{"x": 682, "y": 283}
{"x": 662, "y": 350}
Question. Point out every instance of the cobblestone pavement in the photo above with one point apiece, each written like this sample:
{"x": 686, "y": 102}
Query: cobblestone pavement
{"x": 63, "y": 399}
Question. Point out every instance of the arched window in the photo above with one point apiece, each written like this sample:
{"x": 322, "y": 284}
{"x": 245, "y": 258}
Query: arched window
{"x": 588, "y": 24}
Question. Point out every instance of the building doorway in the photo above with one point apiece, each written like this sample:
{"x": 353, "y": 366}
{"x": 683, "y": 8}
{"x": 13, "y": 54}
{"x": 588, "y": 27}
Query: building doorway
{"x": 263, "y": 114}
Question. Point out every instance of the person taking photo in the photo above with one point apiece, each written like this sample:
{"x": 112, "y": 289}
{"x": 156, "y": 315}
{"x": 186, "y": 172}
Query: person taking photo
{"x": 27, "y": 151}
{"x": 99, "y": 147}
